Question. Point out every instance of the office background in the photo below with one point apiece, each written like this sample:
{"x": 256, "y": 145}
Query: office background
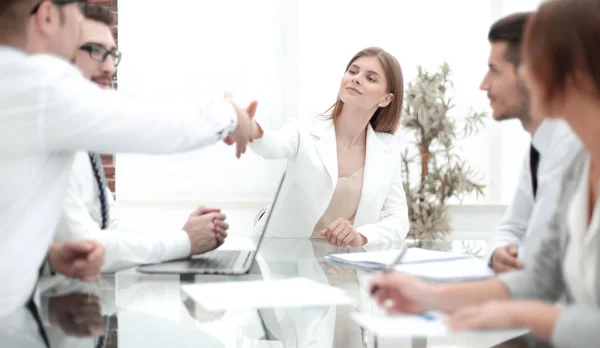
{"x": 290, "y": 56}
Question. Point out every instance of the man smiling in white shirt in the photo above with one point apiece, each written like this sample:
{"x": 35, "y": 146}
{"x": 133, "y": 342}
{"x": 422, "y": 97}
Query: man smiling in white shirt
{"x": 89, "y": 210}
{"x": 48, "y": 111}
{"x": 552, "y": 143}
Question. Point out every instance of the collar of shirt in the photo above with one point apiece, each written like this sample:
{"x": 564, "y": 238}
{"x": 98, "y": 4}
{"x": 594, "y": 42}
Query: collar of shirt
{"x": 542, "y": 137}
{"x": 11, "y": 49}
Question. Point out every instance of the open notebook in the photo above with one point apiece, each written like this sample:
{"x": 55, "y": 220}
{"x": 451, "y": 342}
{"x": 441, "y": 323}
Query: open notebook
{"x": 429, "y": 265}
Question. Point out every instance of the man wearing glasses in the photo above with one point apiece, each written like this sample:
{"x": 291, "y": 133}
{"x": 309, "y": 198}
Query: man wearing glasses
{"x": 89, "y": 210}
{"x": 49, "y": 111}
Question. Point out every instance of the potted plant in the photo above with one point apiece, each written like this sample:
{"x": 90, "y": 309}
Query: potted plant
{"x": 442, "y": 172}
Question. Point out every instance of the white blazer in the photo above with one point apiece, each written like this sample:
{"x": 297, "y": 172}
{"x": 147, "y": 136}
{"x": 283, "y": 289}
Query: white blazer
{"x": 312, "y": 174}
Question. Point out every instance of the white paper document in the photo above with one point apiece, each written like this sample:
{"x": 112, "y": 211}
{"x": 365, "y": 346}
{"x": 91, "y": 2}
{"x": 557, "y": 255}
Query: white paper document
{"x": 403, "y": 325}
{"x": 291, "y": 292}
{"x": 430, "y": 265}
{"x": 429, "y": 325}
{"x": 380, "y": 259}
{"x": 455, "y": 270}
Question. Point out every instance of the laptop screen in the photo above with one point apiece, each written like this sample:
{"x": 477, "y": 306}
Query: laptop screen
{"x": 267, "y": 215}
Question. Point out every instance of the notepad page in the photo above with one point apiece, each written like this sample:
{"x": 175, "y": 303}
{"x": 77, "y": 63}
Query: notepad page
{"x": 453, "y": 270}
{"x": 400, "y": 326}
{"x": 403, "y": 325}
{"x": 384, "y": 258}
{"x": 379, "y": 257}
{"x": 418, "y": 255}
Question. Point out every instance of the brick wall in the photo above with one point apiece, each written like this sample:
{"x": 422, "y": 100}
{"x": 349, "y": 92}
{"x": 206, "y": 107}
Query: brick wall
{"x": 108, "y": 160}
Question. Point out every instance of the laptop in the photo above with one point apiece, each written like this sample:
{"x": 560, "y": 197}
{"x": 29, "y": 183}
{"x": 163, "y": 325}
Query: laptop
{"x": 228, "y": 262}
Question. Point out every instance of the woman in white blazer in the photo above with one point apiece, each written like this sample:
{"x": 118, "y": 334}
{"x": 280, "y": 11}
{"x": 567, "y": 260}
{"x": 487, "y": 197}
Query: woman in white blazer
{"x": 344, "y": 180}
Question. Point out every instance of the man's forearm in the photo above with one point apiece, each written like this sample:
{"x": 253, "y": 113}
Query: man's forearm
{"x": 125, "y": 249}
{"x": 450, "y": 297}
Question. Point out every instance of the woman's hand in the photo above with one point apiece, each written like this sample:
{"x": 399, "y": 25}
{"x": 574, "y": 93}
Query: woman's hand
{"x": 342, "y": 233}
{"x": 401, "y": 293}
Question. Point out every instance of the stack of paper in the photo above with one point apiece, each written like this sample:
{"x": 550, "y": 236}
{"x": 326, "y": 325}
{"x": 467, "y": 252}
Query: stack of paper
{"x": 291, "y": 292}
{"x": 426, "y": 264}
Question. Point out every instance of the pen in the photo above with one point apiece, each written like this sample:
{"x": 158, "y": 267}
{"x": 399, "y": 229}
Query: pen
{"x": 391, "y": 266}
{"x": 427, "y": 317}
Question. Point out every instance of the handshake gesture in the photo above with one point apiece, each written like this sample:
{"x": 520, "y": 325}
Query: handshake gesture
{"x": 245, "y": 130}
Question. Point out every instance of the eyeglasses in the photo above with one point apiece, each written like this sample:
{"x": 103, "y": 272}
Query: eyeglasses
{"x": 99, "y": 53}
{"x": 57, "y": 3}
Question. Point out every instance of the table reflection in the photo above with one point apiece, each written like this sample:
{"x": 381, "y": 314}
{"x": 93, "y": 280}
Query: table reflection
{"x": 79, "y": 314}
{"x": 310, "y": 327}
{"x": 130, "y": 309}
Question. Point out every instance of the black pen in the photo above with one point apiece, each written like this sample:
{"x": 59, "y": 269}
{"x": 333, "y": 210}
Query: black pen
{"x": 391, "y": 266}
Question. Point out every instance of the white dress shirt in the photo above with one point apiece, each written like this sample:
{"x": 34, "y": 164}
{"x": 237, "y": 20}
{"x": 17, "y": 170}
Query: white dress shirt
{"x": 48, "y": 110}
{"x": 581, "y": 257}
{"x": 19, "y": 329}
{"x": 124, "y": 245}
{"x": 526, "y": 217}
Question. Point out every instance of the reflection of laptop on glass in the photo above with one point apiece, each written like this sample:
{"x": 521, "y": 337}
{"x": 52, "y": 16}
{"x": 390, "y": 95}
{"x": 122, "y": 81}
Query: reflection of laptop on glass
{"x": 217, "y": 261}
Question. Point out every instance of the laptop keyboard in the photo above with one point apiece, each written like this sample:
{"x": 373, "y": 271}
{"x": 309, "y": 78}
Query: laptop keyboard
{"x": 219, "y": 259}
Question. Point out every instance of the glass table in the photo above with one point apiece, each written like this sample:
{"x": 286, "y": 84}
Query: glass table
{"x": 131, "y": 309}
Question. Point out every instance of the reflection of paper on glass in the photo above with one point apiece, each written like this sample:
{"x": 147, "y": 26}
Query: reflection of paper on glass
{"x": 430, "y": 325}
{"x": 380, "y": 259}
{"x": 291, "y": 292}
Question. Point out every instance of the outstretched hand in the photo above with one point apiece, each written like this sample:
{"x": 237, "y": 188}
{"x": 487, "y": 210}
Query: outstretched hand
{"x": 245, "y": 125}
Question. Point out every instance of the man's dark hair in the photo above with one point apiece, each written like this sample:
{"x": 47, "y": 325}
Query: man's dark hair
{"x": 510, "y": 29}
{"x": 100, "y": 13}
{"x": 13, "y": 17}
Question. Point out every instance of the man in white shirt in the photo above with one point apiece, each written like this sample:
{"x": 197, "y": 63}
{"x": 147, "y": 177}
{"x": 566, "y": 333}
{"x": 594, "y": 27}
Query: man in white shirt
{"x": 89, "y": 210}
{"x": 48, "y": 111}
{"x": 552, "y": 140}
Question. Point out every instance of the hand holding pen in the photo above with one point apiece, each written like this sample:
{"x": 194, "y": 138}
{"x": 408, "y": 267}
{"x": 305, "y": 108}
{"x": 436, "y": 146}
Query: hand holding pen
{"x": 401, "y": 293}
{"x": 389, "y": 268}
